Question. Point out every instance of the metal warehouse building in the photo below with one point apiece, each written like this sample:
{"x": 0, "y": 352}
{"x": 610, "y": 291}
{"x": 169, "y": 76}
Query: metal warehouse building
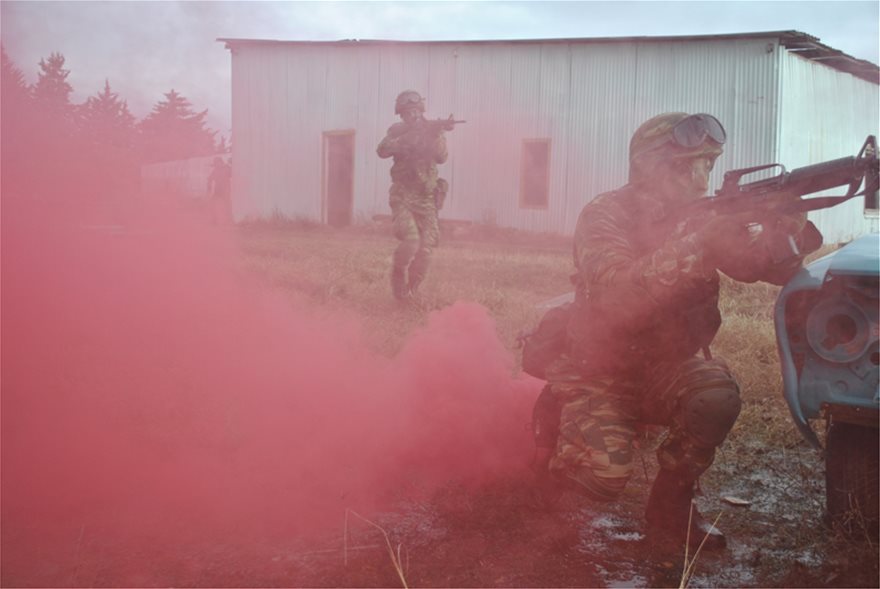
{"x": 548, "y": 121}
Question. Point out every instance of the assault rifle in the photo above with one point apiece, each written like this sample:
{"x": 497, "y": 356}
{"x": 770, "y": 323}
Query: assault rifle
{"x": 435, "y": 126}
{"x": 781, "y": 194}
{"x": 788, "y": 187}
{"x": 422, "y": 133}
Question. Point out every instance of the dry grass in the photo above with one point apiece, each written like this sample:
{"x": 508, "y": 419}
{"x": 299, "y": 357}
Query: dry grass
{"x": 689, "y": 566}
{"x": 349, "y": 271}
{"x": 394, "y": 555}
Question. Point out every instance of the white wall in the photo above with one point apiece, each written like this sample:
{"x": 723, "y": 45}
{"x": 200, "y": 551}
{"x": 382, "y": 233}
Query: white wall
{"x": 586, "y": 97}
{"x": 187, "y": 178}
{"x": 826, "y": 114}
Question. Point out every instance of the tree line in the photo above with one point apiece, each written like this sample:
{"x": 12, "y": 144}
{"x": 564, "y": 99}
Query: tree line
{"x": 52, "y": 147}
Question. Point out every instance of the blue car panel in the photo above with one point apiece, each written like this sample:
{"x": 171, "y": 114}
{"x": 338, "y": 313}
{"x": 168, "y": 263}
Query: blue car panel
{"x": 827, "y": 333}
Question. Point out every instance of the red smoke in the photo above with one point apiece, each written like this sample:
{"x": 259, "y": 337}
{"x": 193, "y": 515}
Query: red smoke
{"x": 158, "y": 398}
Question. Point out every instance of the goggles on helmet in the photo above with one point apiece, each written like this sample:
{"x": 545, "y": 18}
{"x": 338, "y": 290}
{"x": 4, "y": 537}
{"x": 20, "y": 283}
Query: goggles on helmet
{"x": 693, "y": 130}
{"x": 409, "y": 99}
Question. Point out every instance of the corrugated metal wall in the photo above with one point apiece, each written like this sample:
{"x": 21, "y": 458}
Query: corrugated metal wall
{"x": 586, "y": 98}
{"x": 826, "y": 114}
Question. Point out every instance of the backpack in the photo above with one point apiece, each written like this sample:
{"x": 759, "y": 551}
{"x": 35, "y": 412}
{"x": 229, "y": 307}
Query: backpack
{"x": 546, "y": 342}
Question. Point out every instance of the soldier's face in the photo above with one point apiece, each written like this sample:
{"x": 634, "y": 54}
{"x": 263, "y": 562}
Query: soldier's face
{"x": 409, "y": 114}
{"x": 688, "y": 178}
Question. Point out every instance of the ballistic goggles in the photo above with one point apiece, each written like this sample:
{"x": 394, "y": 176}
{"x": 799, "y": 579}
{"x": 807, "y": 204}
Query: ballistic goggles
{"x": 692, "y": 131}
{"x": 408, "y": 100}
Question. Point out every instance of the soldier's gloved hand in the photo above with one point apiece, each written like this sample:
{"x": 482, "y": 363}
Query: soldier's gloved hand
{"x": 725, "y": 238}
{"x": 792, "y": 224}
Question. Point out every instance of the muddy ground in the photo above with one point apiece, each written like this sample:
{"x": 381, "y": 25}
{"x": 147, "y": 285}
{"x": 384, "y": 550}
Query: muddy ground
{"x": 498, "y": 537}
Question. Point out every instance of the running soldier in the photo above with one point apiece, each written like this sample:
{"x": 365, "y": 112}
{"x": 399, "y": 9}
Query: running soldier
{"x": 416, "y": 191}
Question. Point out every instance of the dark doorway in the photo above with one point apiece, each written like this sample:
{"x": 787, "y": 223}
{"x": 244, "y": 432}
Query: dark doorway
{"x": 338, "y": 177}
{"x": 534, "y": 179}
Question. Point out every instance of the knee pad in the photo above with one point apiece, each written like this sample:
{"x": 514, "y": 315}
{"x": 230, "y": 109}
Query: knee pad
{"x": 709, "y": 413}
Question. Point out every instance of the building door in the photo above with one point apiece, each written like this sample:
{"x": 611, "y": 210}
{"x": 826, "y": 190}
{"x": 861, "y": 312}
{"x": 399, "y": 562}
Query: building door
{"x": 338, "y": 200}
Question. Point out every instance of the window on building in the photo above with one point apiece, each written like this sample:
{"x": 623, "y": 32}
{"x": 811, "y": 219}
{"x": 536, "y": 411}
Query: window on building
{"x": 534, "y": 180}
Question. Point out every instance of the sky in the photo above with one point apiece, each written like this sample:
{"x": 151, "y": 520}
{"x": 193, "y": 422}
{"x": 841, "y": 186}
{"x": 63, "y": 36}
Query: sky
{"x": 147, "y": 48}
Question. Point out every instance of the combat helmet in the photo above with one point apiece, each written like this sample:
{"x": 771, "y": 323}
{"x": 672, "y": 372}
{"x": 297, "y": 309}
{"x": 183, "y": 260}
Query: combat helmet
{"x": 409, "y": 99}
{"x": 673, "y": 136}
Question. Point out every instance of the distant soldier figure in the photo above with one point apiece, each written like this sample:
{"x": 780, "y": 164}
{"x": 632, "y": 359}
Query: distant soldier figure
{"x": 219, "y": 181}
{"x": 416, "y": 191}
{"x": 635, "y": 344}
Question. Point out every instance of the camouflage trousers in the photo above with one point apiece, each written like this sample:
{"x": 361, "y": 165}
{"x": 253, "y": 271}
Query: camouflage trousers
{"x": 697, "y": 399}
{"x": 414, "y": 223}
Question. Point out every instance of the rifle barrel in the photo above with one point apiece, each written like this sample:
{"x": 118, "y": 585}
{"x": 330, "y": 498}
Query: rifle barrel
{"x": 825, "y": 175}
{"x": 805, "y": 180}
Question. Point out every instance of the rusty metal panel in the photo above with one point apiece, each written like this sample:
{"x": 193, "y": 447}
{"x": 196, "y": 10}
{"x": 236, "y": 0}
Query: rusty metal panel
{"x": 826, "y": 114}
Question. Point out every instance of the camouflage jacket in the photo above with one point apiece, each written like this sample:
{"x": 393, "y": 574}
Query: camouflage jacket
{"x": 416, "y": 153}
{"x": 643, "y": 292}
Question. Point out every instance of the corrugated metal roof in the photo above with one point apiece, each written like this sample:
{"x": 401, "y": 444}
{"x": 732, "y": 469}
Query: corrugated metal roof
{"x": 795, "y": 41}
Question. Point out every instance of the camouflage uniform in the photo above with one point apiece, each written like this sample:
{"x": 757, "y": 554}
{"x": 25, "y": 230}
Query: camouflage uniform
{"x": 646, "y": 304}
{"x": 412, "y": 197}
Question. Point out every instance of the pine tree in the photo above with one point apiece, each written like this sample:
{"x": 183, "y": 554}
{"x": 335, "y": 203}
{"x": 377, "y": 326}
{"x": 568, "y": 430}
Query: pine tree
{"x": 12, "y": 82}
{"x": 105, "y": 119}
{"x": 108, "y": 134}
{"x": 222, "y": 146}
{"x": 174, "y": 131}
{"x": 18, "y": 146}
{"x": 52, "y": 91}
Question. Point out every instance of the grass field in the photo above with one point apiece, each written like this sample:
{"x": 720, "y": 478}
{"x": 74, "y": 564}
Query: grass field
{"x": 172, "y": 421}
{"x": 350, "y": 270}
{"x": 510, "y": 274}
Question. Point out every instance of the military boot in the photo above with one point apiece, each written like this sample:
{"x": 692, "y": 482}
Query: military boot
{"x": 545, "y": 426}
{"x": 670, "y": 507}
{"x": 398, "y": 284}
{"x": 418, "y": 269}
{"x": 545, "y": 430}
{"x": 400, "y": 261}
